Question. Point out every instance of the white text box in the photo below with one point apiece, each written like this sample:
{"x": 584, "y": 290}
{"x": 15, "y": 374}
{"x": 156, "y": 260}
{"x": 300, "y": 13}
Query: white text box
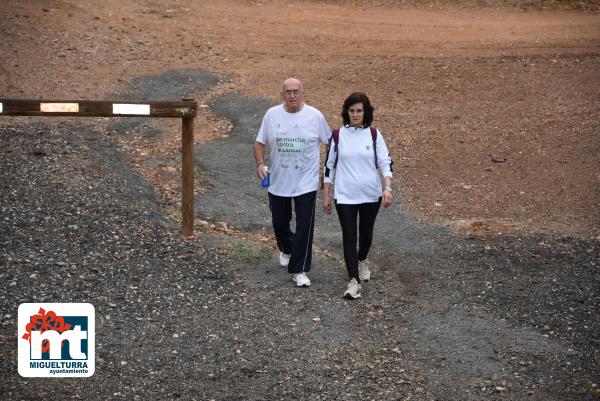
{"x": 137, "y": 109}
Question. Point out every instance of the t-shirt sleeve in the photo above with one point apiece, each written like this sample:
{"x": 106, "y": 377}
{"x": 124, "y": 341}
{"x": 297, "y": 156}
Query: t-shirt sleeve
{"x": 324, "y": 131}
{"x": 263, "y": 131}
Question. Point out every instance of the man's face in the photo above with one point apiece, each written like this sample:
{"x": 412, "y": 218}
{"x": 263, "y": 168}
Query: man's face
{"x": 292, "y": 96}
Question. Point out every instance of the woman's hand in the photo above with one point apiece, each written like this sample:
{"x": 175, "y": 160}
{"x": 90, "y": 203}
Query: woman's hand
{"x": 327, "y": 197}
{"x": 326, "y": 202}
{"x": 387, "y": 197}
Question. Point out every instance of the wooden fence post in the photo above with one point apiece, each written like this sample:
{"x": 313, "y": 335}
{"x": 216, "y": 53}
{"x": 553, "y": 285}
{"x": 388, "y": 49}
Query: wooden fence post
{"x": 187, "y": 176}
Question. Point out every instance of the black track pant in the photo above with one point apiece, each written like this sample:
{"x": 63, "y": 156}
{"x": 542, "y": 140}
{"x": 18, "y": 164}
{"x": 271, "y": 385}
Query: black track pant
{"x": 366, "y": 213}
{"x": 298, "y": 244}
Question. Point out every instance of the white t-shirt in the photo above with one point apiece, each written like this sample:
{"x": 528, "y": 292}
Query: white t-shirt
{"x": 355, "y": 179}
{"x": 294, "y": 141}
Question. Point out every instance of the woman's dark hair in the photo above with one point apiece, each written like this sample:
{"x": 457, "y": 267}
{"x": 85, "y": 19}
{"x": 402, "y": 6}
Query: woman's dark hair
{"x": 358, "y": 97}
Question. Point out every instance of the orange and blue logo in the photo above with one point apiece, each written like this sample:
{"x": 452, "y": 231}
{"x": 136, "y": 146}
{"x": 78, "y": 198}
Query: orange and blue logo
{"x": 56, "y": 340}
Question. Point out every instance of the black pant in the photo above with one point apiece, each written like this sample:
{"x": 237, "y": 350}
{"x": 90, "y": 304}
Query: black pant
{"x": 347, "y": 215}
{"x": 298, "y": 244}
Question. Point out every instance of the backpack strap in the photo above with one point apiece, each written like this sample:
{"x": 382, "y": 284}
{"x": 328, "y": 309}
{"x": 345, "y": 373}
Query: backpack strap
{"x": 374, "y": 138}
{"x": 335, "y": 136}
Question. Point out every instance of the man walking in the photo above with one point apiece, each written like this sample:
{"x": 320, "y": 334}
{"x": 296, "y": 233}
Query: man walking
{"x": 292, "y": 130}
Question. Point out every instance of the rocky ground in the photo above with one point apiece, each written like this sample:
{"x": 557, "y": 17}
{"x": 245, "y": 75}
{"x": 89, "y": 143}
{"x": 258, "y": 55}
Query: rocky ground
{"x": 445, "y": 317}
{"x": 486, "y": 270}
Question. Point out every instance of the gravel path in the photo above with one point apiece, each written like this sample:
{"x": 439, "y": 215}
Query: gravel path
{"x": 445, "y": 317}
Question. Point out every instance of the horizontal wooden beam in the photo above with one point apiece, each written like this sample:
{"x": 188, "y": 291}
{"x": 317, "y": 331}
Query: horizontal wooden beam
{"x": 97, "y": 108}
{"x": 184, "y": 109}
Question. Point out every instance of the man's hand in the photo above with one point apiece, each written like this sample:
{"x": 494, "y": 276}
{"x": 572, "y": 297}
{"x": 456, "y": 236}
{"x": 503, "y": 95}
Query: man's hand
{"x": 261, "y": 171}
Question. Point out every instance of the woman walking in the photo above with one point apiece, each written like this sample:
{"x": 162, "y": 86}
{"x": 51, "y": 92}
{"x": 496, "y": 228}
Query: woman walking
{"x": 357, "y": 154}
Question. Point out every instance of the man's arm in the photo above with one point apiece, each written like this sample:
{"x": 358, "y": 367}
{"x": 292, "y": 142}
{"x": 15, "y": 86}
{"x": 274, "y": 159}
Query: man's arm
{"x": 259, "y": 157}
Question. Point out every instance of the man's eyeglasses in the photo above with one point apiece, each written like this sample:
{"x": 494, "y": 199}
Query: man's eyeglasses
{"x": 290, "y": 92}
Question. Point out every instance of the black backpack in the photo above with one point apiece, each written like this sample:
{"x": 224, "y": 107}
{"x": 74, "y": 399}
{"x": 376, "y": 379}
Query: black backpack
{"x": 335, "y": 137}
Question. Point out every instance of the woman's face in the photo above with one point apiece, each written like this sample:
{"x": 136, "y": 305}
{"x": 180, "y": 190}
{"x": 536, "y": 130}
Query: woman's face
{"x": 356, "y": 112}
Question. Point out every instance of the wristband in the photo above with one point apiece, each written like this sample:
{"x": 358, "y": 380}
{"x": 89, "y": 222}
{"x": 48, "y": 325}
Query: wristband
{"x": 259, "y": 163}
{"x": 388, "y": 188}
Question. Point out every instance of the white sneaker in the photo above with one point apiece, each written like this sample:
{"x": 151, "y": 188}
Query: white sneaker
{"x": 353, "y": 290}
{"x": 301, "y": 280}
{"x": 363, "y": 270}
{"x": 284, "y": 259}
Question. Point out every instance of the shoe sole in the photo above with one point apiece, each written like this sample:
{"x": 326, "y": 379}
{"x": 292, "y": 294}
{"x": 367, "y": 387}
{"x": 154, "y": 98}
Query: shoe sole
{"x": 348, "y": 296}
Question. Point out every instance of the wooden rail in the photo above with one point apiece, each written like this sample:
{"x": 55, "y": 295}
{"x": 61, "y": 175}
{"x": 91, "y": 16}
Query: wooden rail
{"x": 184, "y": 109}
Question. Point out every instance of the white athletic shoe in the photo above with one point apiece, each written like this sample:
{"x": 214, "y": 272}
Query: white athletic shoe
{"x": 284, "y": 259}
{"x": 301, "y": 280}
{"x": 353, "y": 290}
{"x": 363, "y": 270}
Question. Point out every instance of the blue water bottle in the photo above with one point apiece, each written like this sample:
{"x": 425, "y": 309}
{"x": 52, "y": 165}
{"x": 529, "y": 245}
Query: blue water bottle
{"x": 266, "y": 181}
